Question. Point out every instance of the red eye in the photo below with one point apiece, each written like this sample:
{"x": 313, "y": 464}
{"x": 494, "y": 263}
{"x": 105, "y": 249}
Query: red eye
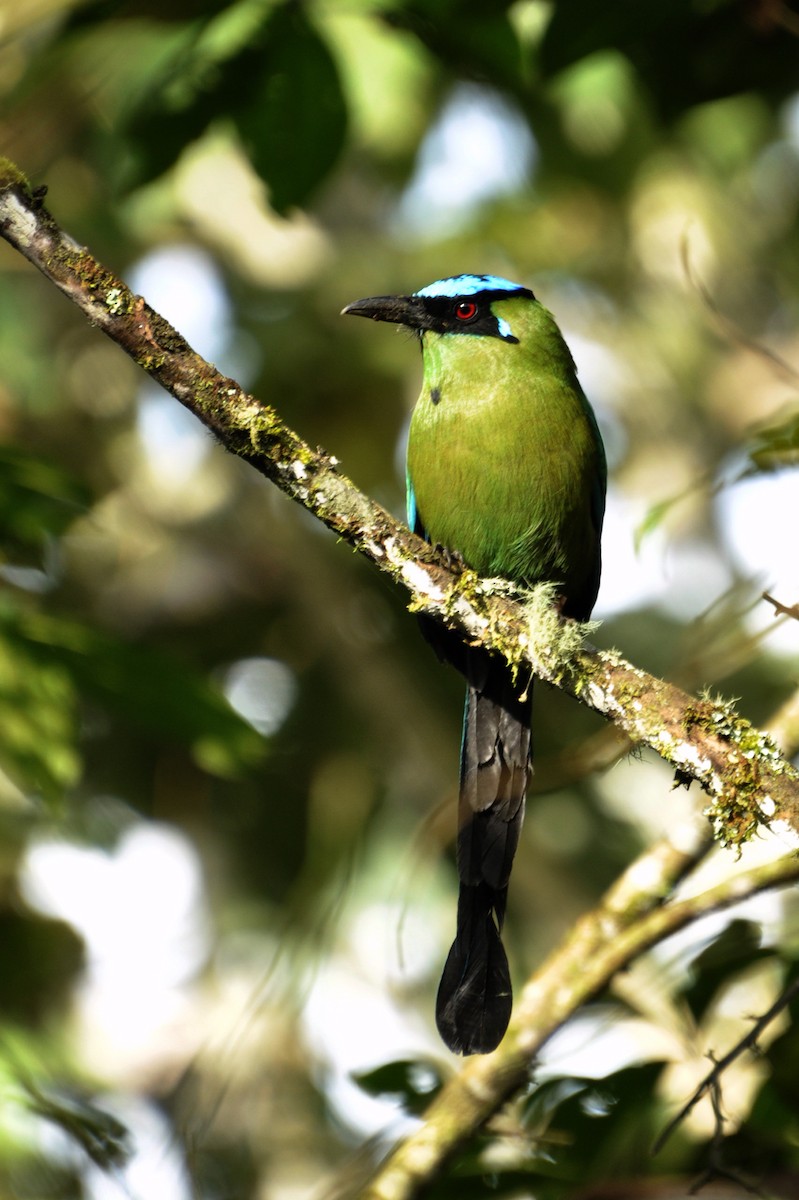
{"x": 466, "y": 310}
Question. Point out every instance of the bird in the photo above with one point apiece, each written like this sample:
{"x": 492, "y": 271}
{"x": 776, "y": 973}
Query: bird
{"x": 506, "y": 471}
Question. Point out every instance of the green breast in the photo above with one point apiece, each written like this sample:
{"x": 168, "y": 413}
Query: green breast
{"x": 504, "y": 457}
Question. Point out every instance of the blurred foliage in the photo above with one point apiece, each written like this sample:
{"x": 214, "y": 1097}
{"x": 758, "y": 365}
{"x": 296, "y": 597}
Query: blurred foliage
{"x": 253, "y": 167}
{"x": 412, "y": 1082}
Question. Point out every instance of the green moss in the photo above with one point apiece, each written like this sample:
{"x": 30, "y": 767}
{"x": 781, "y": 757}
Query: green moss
{"x": 164, "y": 334}
{"x": 92, "y": 276}
{"x": 264, "y": 426}
{"x": 12, "y": 177}
{"x": 151, "y": 363}
{"x": 736, "y": 812}
{"x": 205, "y": 394}
{"x": 545, "y": 637}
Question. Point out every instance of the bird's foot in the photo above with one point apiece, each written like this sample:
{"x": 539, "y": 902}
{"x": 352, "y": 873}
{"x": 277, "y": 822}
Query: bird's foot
{"x": 453, "y": 558}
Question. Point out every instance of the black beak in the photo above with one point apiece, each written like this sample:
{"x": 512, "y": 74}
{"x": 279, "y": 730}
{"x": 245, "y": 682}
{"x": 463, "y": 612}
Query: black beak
{"x": 397, "y": 310}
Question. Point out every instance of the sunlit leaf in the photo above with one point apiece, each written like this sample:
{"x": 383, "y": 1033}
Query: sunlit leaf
{"x": 38, "y": 718}
{"x": 658, "y": 512}
{"x": 775, "y": 448}
{"x": 611, "y": 1120}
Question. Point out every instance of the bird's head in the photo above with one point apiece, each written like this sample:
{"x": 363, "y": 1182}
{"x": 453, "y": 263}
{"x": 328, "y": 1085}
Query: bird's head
{"x": 462, "y": 304}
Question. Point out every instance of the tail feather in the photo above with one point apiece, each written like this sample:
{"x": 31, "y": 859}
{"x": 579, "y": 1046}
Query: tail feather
{"x": 474, "y": 998}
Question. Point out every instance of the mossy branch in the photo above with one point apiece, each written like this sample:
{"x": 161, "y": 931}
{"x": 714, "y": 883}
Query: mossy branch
{"x": 746, "y": 779}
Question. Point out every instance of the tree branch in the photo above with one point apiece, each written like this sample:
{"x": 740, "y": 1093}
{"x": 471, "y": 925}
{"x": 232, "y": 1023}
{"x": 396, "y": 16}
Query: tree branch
{"x": 603, "y": 942}
{"x": 739, "y": 767}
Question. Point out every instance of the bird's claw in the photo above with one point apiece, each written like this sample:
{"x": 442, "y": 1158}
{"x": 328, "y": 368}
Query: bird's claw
{"x": 453, "y": 558}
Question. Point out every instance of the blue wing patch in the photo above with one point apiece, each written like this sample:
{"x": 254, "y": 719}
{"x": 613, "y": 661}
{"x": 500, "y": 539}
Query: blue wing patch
{"x": 414, "y": 522}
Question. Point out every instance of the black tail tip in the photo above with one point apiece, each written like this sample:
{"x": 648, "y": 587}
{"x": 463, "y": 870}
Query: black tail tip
{"x": 466, "y": 1034}
{"x": 475, "y": 1001}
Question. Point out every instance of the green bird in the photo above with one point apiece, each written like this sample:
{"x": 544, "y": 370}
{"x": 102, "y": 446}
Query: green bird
{"x": 506, "y": 469}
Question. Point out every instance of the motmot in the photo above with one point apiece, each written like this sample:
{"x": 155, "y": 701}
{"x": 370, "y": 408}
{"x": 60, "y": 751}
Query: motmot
{"x": 505, "y": 470}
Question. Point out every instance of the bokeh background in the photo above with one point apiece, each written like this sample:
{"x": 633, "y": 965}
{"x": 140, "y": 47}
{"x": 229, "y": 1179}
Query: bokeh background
{"x": 228, "y": 761}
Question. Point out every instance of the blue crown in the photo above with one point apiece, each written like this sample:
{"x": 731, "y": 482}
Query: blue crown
{"x": 469, "y": 285}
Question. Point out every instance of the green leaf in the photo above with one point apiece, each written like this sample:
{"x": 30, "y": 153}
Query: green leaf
{"x": 38, "y": 720}
{"x": 738, "y": 945}
{"x": 775, "y": 448}
{"x": 712, "y": 44}
{"x": 414, "y": 1082}
{"x": 474, "y": 39}
{"x": 170, "y": 80}
{"x": 127, "y": 65}
{"x": 148, "y": 687}
{"x": 294, "y": 119}
{"x": 37, "y": 499}
{"x": 104, "y": 1139}
{"x": 545, "y": 1100}
{"x": 185, "y": 92}
{"x": 612, "y": 1120}
{"x": 270, "y": 70}
{"x": 41, "y": 960}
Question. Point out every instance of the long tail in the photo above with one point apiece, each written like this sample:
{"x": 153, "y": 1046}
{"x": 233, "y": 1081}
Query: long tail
{"x": 474, "y": 997}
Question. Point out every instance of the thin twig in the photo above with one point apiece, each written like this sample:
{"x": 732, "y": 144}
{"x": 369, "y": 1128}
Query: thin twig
{"x": 712, "y": 1079}
{"x": 783, "y": 610}
{"x": 782, "y": 368}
